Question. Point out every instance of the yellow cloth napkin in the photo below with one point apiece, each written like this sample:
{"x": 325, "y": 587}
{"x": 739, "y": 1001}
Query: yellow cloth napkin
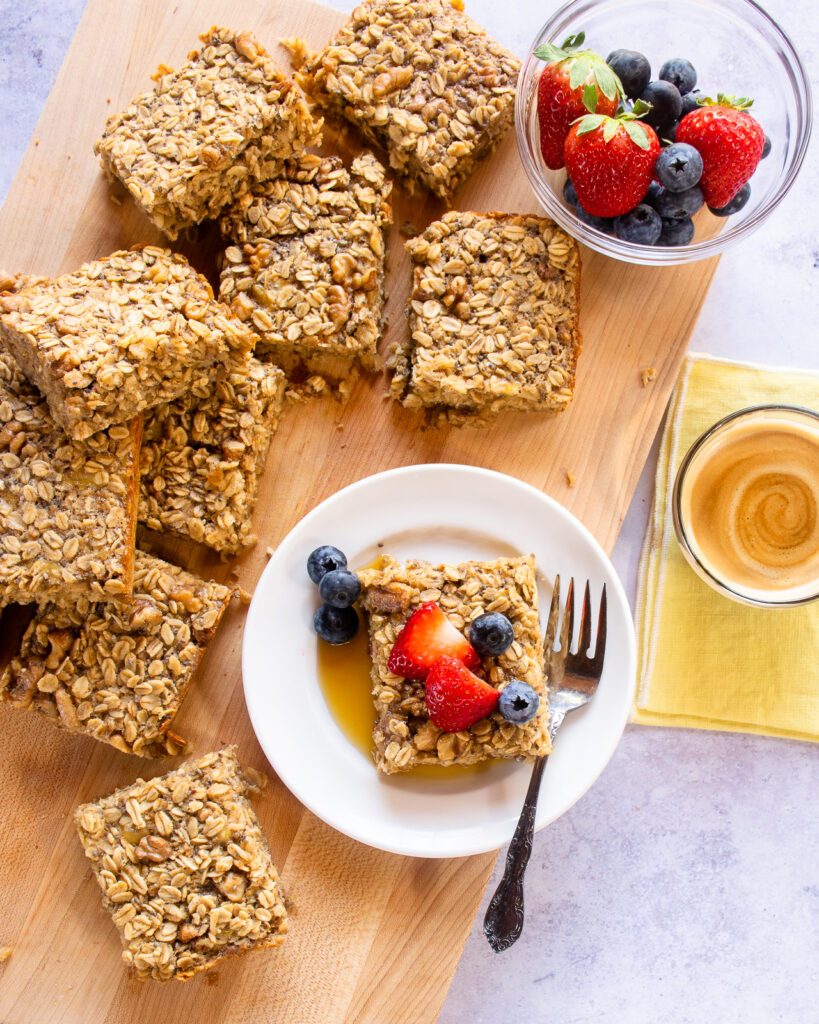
{"x": 706, "y": 662}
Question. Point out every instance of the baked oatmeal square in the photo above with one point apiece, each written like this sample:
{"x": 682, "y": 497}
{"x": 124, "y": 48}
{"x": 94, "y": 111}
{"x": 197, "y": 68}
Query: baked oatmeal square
{"x": 117, "y": 336}
{"x": 423, "y": 81}
{"x": 403, "y": 735}
{"x": 307, "y": 270}
{"x": 68, "y": 509}
{"x": 184, "y": 868}
{"x": 203, "y": 455}
{"x": 207, "y": 132}
{"x": 493, "y": 318}
{"x": 117, "y": 670}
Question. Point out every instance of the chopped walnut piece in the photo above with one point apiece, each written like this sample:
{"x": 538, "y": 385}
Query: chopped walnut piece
{"x": 647, "y": 376}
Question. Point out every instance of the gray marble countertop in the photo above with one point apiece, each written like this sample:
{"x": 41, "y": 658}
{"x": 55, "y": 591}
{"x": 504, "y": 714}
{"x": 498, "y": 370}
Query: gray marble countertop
{"x": 684, "y": 887}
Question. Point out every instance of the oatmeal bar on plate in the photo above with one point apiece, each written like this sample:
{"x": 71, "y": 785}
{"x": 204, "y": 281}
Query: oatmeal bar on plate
{"x": 493, "y": 318}
{"x": 404, "y": 736}
{"x": 307, "y": 270}
{"x": 68, "y": 509}
{"x": 421, "y": 79}
{"x": 207, "y": 132}
{"x": 202, "y": 455}
{"x": 118, "y": 670}
{"x": 184, "y": 868}
{"x": 117, "y": 336}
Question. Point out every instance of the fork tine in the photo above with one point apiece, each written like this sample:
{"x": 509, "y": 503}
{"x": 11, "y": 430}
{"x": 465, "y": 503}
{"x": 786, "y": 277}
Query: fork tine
{"x": 567, "y": 628}
{"x": 585, "y": 622}
{"x": 600, "y": 641}
{"x": 551, "y": 622}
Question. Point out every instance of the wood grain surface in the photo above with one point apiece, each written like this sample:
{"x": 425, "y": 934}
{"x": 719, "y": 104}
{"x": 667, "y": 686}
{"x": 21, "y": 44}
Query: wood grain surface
{"x": 374, "y": 937}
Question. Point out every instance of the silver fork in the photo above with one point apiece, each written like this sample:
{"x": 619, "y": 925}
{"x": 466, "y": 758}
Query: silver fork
{"x": 572, "y": 682}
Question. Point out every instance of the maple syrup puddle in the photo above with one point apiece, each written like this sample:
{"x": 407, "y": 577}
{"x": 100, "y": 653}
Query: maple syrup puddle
{"x": 344, "y": 676}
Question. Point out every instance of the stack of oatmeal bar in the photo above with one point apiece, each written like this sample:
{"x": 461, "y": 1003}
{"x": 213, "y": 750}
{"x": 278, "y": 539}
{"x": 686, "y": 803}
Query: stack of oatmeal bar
{"x": 130, "y": 394}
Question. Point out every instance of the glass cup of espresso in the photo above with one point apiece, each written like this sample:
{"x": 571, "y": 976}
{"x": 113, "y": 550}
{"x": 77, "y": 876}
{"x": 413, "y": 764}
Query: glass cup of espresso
{"x": 746, "y": 506}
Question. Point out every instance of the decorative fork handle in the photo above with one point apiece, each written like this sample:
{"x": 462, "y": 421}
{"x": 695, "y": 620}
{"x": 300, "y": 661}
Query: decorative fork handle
{"x": 503, "y": 922}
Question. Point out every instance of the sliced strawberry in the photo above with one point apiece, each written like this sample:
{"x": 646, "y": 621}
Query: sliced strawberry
{"x": 457, "y": 698}
{"x": 427, "y": 635}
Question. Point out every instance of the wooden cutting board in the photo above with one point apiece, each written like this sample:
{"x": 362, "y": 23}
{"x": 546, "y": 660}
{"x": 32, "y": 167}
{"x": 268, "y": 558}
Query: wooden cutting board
{"x": 374, "y": 937}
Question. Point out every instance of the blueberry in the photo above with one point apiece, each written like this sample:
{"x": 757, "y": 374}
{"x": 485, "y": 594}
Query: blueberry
{"x": 491, "y": 634}
{"x": 339, "y": 588}
{"x": 569, "y": 193}
{"x": 679, "y": 167}
{"x": 604, "y": 224}
{"x": 679, "y": 72}
{"x": 736, "y": 204}
{"x": 676, "y": 232}
{"x": 655, "y": 190}
{"x": 766, "y": 149}
{"x": 679, "y": 205}
{"x": 690, "y": 102}
{"x": 518, "y": 703}
{"x": 323, "y": 560}
{"x": 633, "y": 70}
{"x": 335, "y": 625}
{"x": 666, "y": 104}
{"x": 642, "y": 226}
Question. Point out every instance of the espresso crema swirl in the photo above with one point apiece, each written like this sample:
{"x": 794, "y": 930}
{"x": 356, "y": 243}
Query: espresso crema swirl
{"x": 753, "y": 506}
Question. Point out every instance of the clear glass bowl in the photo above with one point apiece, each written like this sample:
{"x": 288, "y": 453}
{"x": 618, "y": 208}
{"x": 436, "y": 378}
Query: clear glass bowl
{"x": 737, "y": 49}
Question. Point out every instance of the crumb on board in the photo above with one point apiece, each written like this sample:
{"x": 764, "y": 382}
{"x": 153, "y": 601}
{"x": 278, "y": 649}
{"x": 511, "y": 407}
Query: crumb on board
{"x": 570, "y": 478}
{"x": 270, "y": 552}
{"x": 244, "y": 596}
{"x": 408, "y": 229}
{"x": 457, "y": 4}
{"x": 297, "y": 49}
{"x": 648, "y": 375}
{"x": 5, "y": 953}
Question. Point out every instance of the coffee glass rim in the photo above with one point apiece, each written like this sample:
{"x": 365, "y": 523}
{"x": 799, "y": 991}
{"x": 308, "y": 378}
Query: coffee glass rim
{"x": 717, "y": 583}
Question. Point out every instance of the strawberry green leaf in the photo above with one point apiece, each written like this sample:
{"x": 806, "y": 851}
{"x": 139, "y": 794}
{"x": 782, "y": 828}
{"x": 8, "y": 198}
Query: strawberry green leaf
{"x": 574, "y": 41}
{"x": 641, "y": 108}
{"x": 610, "y": 85}
{"x": 590, "y": 98}
{"x": 590, "y": 123}
{"x": 637, "y": 133}
{"x": 579, "y": 70}
{"x": 550, "y": 53}
{"x": 610, "y": 129}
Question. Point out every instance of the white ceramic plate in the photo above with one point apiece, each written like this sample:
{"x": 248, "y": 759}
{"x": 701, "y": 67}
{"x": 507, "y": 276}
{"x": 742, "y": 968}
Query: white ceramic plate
{"x": 442, "y": 513}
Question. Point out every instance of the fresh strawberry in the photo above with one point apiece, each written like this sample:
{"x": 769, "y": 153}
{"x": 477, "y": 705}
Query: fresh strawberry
{"x": 730, "y": 141}
{"x": 573, "y": 82}
{"x": 611, "y": 161}
{"x": 457, "y": 698}
{"x": 427, "y": 635}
